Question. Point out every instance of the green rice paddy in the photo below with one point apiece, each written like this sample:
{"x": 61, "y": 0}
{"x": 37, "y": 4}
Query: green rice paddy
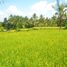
{"x": 34, "y": 48}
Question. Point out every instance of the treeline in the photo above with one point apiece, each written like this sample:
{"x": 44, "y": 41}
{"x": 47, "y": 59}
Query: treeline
{"x": 18, "y": 22}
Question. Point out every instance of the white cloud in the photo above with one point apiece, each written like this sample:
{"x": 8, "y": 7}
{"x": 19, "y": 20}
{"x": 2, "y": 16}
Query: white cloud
{"x": 43, "y": 7}
{"x": 39, "y": 6}
{"x": 14, "y": 10}
{"x": 66, "y": 0}
{"x": 2, "y": 15}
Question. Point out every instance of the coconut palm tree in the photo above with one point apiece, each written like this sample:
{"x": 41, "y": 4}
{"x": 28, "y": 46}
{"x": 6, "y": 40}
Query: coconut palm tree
{"x": 61, "y": 11}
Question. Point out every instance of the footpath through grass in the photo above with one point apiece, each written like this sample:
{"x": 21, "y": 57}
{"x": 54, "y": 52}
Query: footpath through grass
{"x": 34, "y": 48}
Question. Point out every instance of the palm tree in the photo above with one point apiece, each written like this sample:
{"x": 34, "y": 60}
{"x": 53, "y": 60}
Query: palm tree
{"x": 61, "y": 13}
{"x": 34, "y": 18}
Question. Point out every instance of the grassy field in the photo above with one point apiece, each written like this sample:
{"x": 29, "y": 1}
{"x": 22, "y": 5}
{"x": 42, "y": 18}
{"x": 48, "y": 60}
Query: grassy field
{"x": 34, "y": 48}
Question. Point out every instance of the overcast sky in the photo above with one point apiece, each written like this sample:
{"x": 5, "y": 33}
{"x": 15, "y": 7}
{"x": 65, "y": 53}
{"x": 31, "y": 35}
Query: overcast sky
{"x": 27, "y": 7}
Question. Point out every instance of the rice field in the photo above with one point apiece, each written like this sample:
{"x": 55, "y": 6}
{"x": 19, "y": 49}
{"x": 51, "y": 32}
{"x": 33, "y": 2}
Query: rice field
{"x": 34, "y": 48}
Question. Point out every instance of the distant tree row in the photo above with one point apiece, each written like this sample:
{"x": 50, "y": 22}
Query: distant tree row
{"x": 18, "y": 22}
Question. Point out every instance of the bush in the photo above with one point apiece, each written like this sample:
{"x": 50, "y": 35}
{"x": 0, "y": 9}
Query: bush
{"x": 65, "y": 25}
{"x": 1, "y": 29}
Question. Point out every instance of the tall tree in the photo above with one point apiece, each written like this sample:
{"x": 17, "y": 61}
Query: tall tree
{"x": 5, "y": 23}
{"x": 61, "y": 13}
{"x": 53, "y": 22}
{"x": 41, "y": 21}
{"x": 34, "y": 19}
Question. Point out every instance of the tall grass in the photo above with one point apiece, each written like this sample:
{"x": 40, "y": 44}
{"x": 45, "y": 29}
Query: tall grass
{"x": 34, "y": 48}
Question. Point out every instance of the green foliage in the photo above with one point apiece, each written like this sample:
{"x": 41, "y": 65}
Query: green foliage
{"x": 41, "y": 21}
{"x": 61, "y": 12}
{"x": 1, "y": 27}
{"x": 35, "y": 48}
{"x": 19, "y": 22}
{"x": 34, "y": 17}
{"x": 65, "y": 25}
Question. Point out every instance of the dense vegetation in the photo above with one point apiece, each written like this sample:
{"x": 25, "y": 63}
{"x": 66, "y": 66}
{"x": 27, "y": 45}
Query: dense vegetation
{"x": 18, "y": 22}
{"x": 34, "y": 48}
